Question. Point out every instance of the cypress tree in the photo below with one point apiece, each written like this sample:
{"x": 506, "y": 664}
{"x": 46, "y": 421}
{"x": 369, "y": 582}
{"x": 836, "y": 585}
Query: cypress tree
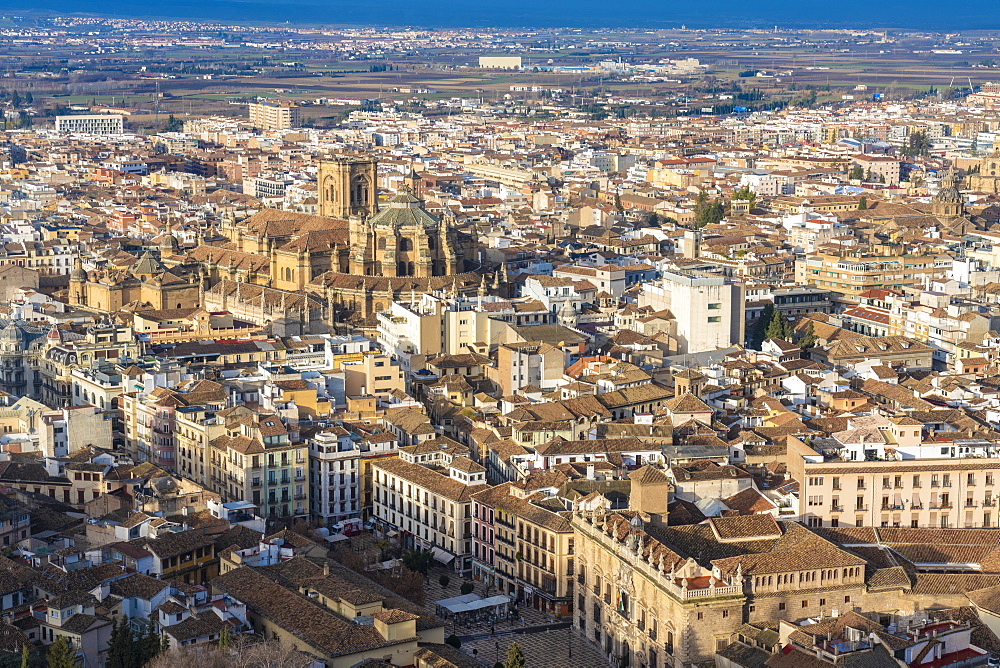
{"x": 60, "y": 655}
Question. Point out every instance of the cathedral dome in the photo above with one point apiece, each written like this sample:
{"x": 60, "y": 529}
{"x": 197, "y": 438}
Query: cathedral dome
{"x": 404, "y": 210}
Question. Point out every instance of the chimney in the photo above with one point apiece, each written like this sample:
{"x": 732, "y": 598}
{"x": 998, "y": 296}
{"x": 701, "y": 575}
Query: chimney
{"x": 590, "y": 471}
{"x": 326, "y": 568}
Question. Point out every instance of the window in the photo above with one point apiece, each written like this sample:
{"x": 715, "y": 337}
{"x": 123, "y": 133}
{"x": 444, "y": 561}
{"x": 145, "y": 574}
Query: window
{"x": 701, "y": 615}
{"x": 781, "y": 606}
{"x": 805, "y": 604}
{"x": 715, "y": 318}
{"x": 725, "y": 614}
{"x": 714, "y": 306}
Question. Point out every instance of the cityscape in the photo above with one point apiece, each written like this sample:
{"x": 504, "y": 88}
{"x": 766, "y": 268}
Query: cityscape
{"x": 344, "y": 345}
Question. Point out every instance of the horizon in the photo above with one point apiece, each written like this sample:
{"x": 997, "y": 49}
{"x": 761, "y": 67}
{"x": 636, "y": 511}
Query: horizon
{"x": 587, "y": 15}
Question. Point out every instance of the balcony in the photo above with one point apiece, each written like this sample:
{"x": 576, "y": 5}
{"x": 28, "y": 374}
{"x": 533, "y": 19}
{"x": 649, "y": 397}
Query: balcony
{"x": 861, "y": 509}
{"x": 836, "y": 508}
{"x": 989, "y": 502}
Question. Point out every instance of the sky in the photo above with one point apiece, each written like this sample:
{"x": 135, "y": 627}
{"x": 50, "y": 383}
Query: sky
{"x": 963, "y": 14}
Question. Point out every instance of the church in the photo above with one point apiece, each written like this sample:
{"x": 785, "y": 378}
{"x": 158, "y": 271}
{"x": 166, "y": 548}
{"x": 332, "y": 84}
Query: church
{"x": 350, "y": 263}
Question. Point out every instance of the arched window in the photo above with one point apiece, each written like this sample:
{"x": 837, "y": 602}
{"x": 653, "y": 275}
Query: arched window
{"x": 431, "y": 242}
{"x": 401, "y": 268}
{"x": 405, "y": 244}
{"x": 381, "y": 243}
{"x": 409, "y": 269}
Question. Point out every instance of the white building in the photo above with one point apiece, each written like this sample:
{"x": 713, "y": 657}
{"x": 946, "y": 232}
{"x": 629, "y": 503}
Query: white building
{"x": 709, "y": 310}
{"x": 335, "y": 473}
{"x": 97, "y": 124}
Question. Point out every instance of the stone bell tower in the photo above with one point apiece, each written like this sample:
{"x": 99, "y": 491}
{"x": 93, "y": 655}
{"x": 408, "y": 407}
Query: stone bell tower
{"x": 348, "y": 187}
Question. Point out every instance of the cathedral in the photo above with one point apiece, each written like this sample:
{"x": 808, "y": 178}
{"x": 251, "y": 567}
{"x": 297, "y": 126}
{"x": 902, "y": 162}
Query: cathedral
{"x": 985, "y": 176}
{"x": 350, "y": 262}
{"x": 355, "y": 258}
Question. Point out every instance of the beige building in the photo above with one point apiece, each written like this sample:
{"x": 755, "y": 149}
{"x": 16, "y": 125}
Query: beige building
{"x": 649, "y": 594}
{"x": 255, "y": 459}
{"x": 531, "y": 363}
{"x": 376, "y": 375}
{"x": 426, "y": 494}
{"x": 959, "y": 493}
{"x": 524, "y": 546}
{"x": 882, "y": 267}
{"x": 274, "y": 116}
{"x": 500, "y": 62}
{"x": 708, "y": 310}
{"x": 347, "y": 187}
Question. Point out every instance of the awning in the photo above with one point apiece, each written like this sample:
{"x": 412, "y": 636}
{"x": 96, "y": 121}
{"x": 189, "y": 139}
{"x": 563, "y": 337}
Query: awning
{"x": 442, "y": 556}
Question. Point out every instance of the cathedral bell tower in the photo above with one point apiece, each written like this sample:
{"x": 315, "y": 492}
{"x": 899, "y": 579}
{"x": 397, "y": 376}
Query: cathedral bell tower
{"x": 348, "y": 187}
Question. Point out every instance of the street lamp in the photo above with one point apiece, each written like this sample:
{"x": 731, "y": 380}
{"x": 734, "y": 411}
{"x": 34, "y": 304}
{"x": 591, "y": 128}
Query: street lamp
{"x": 497, "y": 646}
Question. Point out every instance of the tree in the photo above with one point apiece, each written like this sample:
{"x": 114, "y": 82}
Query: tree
{"x": 857, "y": 173}
{"x": 149, "y": 644}
{"x": 225, "y": 640}
{"x": 122, "y": 648}
{"x": 246, "y": 652}
{"x": 454, "y": 641}
{"x": 515, "y": 656}
{"x": 418, "y": 560}
{"x": 24, "y": 655}
{"x": 618, "y": 203}
{"x": 708, "y": 213}
{"x": 173, "y": 124}
{"x": 760, "y": 327}
{"x": 444, "y": 580}
{"x": 775, "y": 328}
{"x": 863, "y": 203}
{"x": 61, "y": 656}
{"x": 808, "y": 339}
{"x": 467, "y": 587}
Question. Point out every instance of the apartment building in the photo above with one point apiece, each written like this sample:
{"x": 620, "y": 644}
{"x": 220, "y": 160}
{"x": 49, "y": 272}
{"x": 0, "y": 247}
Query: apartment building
{"x": 708, "y": 310}
{"x": 940, "y": 492}
{"x": 95, "y": 124}
{"x": 850, "y": 274}
{"x": 376, "y": 375}
{"x": 526, "y": 363}
{"x": 523, "y": 545}
{"x": 426, "y": 494}
{"x": 335, "y": 476}
{"x": 256, "y": 459}
{"x": 149, "y": 418}
{"x": 274, "y": 116}
{"x": 431, "y": 326}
